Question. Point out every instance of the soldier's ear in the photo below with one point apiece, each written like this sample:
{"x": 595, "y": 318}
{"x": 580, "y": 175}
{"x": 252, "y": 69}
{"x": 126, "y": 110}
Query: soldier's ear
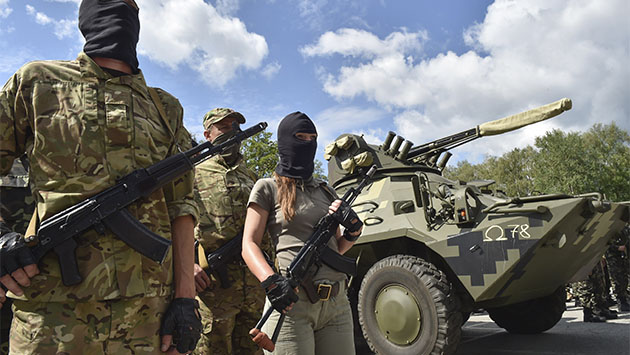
{"x": 206, "y": 134}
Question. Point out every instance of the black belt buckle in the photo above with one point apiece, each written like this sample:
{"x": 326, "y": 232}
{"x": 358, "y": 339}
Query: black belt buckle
{"x": 327, "y": 288}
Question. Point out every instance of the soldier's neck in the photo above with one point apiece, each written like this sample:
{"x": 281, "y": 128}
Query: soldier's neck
{"x": 112, "y": 63}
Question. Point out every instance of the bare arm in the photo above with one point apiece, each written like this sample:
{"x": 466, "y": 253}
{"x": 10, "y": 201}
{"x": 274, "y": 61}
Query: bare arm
{"x": 255, "y": 224}
{"x": 183, "y": 256}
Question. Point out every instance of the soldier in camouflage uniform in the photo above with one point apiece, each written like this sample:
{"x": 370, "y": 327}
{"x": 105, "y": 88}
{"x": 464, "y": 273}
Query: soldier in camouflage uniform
{"x": 84, "y": 124}
{"x": 223, "y": 184}
{"x": 618, "y": 267}
{"x": 591, "y": 294}
{"x": 16, "y": 208}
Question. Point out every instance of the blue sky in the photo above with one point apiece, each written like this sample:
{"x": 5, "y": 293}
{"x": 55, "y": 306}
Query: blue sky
{"x": 424, "y": 69}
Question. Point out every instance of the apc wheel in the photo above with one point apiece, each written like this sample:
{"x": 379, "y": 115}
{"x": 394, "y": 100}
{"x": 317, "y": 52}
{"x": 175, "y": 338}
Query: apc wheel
{"x": 533, "y": 316}
{"x": 406, "y": 306}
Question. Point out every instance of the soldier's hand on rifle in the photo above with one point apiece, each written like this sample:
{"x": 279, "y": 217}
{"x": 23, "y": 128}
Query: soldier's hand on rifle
{"x": 181, "y": 326}
{"x": 280, "y": 292}
{"x": 346, "y": 216}
{"x": 17, "y": 264}
{"x": 202, "y": 280}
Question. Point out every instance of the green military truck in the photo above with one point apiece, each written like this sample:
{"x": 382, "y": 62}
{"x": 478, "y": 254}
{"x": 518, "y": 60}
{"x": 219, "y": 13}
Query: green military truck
{"x": 433, "y": 250}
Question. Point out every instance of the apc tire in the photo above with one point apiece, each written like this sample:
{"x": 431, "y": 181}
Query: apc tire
{"x": 423, "y": 290}
{"x": 533, "y": 316}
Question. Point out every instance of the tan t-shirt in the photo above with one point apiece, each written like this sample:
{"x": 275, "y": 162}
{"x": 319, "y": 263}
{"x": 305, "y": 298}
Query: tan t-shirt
{"x": 311, "y": 204}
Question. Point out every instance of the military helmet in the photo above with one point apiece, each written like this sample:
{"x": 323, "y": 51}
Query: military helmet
{"x": 217, "y": 114}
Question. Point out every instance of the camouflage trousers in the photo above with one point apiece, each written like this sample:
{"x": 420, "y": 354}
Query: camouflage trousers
{"x": 5, "y": 324}
{"x": 591, "y": 292}
{"x": 618, "y": 268}
{"x": 227, "y": 315}
{"x": 109, "y": 327}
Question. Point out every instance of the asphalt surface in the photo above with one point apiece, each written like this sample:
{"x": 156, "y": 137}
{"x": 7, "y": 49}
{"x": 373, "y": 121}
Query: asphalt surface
{"x": 571, "y": 336}
{"x": 480, "y": 335}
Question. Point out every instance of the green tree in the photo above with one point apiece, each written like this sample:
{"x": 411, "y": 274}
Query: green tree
{"x": 261, "y": 154}
{"x": 608, "y": 153}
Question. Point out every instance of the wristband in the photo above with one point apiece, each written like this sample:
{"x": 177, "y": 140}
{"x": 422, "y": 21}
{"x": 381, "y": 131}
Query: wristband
{"x": 349, "y": 237}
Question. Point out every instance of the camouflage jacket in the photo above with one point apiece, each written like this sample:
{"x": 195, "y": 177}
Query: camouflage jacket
{"x": 222, "y": 192}
{"x": 16, "y": 201}
{"x": 85, "y": 129}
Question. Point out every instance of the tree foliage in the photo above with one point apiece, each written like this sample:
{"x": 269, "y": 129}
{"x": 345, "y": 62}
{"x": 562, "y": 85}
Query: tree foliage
{"x": 573, "y": 163}
{"x": 261, "y": 154}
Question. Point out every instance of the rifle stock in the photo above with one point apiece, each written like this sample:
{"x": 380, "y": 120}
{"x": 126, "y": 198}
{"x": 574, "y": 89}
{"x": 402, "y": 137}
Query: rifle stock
{"x": 108, "y": 209}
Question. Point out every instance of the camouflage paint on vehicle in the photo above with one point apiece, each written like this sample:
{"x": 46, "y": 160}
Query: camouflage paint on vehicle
{"x": 495, "y": 251}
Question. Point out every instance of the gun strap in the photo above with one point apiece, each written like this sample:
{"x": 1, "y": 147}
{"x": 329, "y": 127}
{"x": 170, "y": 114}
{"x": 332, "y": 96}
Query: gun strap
{"x": 33, "y": 224}
{"x": 329, "y": 191}
{"x": 158, "y": 104}
{"x": 201, "y": 254}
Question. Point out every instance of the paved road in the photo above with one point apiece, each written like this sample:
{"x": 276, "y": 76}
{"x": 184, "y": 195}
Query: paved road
{"x": 480, "y": 335}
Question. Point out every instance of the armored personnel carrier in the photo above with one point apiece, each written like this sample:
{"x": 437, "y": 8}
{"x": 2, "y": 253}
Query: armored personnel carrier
{"x": 433, "y": 249}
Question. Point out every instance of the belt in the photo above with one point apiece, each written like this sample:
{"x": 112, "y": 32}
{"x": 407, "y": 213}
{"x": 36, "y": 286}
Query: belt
{"x": 321, "y": 290}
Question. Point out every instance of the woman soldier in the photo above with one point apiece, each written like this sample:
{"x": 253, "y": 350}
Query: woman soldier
{"x": 289, "y": 205}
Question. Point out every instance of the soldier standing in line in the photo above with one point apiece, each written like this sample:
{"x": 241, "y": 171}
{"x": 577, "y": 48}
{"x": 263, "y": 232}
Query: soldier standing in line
{"x": 591, "y": 295}
{"x": 16, "y": 208}
{"x": 223, "y": 184}
{"x": 84, "y": 124}
{"x": 618, "y": 268}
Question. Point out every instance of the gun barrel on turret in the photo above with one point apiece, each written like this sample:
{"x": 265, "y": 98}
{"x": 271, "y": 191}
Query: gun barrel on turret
{"x": 502, "y": 125}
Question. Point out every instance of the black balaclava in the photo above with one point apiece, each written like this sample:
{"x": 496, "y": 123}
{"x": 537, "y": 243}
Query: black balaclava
{"x": 296, "y": 156}
{"x": 111, "y": 29}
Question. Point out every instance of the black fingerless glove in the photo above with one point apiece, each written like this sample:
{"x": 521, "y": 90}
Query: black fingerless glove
{"x": 182, "y": 320}
{"x": 279, "y": 291}
{"x": 348, "y": 218}
{"x": 14, "y": 253}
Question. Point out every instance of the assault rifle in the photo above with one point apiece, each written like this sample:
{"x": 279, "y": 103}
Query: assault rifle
{"x": 314, "y": 252}
{"x": 218, "y": 259}
{"x": 108, "y": 209}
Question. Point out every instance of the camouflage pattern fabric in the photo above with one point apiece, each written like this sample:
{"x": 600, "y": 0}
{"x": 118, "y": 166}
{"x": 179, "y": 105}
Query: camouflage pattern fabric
{"x": 87, "y": 129}
{"x": 16, "y": 208}
{"x": 16, "y": 201}
{"x": 618, "y": 265}
{"x": 227, "y": 314}
{"x": 590, "y": 292}
{"x": 128, "y": 326}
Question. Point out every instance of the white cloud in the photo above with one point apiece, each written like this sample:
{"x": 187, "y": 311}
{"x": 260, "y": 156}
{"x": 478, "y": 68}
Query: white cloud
{"x": 9, "y": 63}
{"x": 61, "y": 28}
{"x": 524, "y": 54}
{"x": 337, "y": 119}
{"x": 5, "y": 9}
{"x": 270, "y": 70}
{"x": 360, "y": 43}
{"x": 193, "y": 33}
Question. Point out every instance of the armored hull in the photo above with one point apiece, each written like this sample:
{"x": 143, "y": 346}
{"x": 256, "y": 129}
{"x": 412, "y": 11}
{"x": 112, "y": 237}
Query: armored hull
{"x": 433, "y": 249}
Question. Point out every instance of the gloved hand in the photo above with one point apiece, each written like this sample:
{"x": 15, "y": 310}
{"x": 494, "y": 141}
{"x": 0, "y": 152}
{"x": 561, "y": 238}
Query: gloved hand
{"x": 14, "y": 253}
{"x": 182, "y": 320}
{"x": 348, "y": 218}
{"x": 280, "y": 292}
